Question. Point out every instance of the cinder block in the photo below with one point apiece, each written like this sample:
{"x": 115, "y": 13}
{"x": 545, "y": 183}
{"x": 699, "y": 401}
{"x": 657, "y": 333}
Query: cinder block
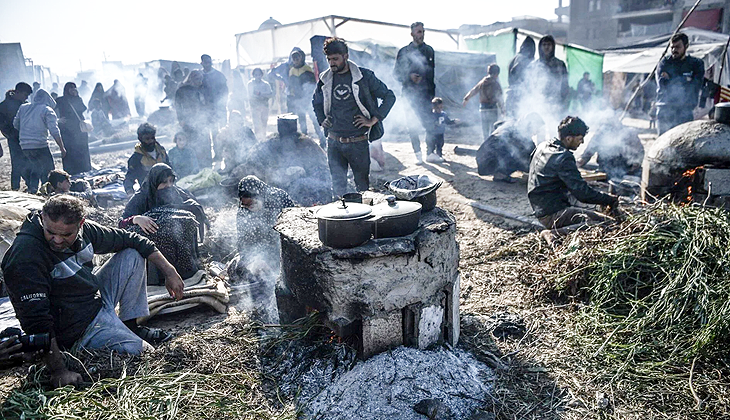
{"x": 717, "y": 181}
{"x": 429, "y": 326}
{"x": 380, "y": 334}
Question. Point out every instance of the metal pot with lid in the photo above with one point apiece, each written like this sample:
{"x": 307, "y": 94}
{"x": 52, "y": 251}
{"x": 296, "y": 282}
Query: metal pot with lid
{"x": 344, "y": 224}
{"x": 722, "y": 112}
{"x": 395, "y": 218}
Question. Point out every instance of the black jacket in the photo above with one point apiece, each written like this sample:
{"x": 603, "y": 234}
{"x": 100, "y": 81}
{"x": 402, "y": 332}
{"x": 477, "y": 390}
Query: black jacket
{"x": 368, "y": 88}
{"x": 553, "y": 172}
{"x": 8, "y": 108}
{"x": 416, "y": 59}
{"x": 682, "y": 88}
{"x": 55, "y": 292}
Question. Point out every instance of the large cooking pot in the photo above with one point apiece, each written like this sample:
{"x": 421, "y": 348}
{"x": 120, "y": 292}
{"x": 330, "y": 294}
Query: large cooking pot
{"x": 395, "y": 218}
{"x": 722, "y": 112}
{"x": 344, "y": 225}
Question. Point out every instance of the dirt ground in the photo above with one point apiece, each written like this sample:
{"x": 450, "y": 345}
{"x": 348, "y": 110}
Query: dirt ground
{"x": 531, "y": 383}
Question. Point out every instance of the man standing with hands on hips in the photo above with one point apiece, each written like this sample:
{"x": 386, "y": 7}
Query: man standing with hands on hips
{"x": 346, "y": 104}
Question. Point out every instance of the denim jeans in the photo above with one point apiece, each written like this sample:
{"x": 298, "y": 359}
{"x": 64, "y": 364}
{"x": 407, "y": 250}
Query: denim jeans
{"x": 122, "y": 280}
{"x": 357, "y": 156}
{"x": 40, "y": 162}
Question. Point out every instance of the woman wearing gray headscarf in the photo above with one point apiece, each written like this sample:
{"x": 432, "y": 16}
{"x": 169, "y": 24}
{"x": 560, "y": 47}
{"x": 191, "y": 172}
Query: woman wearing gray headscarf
{"x": 169, "y": 216}
{"x": 260, "y": 206}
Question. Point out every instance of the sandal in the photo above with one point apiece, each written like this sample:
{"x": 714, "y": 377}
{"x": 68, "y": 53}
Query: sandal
{"x": 154, "y": 336}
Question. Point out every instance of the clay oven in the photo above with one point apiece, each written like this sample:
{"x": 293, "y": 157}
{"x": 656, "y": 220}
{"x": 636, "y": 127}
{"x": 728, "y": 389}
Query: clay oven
{"x": 385, "y": 293}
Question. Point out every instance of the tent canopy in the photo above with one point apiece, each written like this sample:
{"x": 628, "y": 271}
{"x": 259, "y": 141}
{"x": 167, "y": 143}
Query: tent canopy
{"x": 643, "y": 56}
{"x": 505, "y": 43}
{"x": 266, "y": 46}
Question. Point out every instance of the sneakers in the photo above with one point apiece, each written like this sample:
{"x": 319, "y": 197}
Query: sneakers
{"x": 153, "y": 336}
{"x": 419, "y": 159}
{"x": 434, "y": 158}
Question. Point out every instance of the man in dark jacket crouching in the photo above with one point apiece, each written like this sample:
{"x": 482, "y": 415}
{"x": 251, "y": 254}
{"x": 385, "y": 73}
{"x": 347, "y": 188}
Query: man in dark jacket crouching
{"x": 49, "y": 277}
{"x": 554, "y": 173}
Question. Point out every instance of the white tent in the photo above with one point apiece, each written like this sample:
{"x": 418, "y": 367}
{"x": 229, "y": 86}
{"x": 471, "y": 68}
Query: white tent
{"x": 266, "y": 46}
{"x": 641, "y": 58}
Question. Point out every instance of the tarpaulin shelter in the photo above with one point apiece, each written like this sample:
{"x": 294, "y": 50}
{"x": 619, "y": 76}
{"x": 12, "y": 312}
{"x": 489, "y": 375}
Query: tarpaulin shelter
{"x": 455, "y": 73}
{"x": 643, "y": 56}
{"x": 271, "y": 45}
{"x": 506, "y": 42}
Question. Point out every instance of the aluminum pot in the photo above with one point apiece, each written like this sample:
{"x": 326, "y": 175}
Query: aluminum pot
{"x": 395, "y": 218}
{"x": 344, "y": 225}
{"x": 722, "y": 112}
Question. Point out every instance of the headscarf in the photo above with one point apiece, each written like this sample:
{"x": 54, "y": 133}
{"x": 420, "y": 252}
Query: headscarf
{"x": 255, "y": 227}
{"x": 148, "y": 197}
{"x": 74, "y": 101}
{"x": 528, "y": 48}
{"x": 41, "y": 97}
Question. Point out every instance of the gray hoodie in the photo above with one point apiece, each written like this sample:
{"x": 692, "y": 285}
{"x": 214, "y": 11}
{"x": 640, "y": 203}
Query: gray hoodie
{"x": 35, "y": 120}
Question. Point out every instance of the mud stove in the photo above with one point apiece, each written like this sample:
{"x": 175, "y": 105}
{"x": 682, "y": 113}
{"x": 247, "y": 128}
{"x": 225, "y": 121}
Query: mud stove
{"x": 383, "y": 294}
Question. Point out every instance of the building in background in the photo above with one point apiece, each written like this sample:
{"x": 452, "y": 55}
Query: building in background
{"x": 601, "y": 24}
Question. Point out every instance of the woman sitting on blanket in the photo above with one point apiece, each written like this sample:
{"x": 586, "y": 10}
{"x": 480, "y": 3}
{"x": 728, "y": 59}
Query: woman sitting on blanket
{"x": 170, "y": 217}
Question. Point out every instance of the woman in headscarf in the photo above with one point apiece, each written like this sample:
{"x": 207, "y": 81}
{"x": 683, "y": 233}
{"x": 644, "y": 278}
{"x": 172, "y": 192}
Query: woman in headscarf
{"x": 192, "y": 116}
{"x": 259, "y": 208}
{"x": 70, "y": 109}
{"x": 169, "y": 216}
{"x": 98, "y": 93}
{"x": 516, "y": 77}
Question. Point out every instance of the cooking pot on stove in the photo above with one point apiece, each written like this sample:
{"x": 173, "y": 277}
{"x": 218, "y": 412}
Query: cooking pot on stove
{"x": 344, "y": 225}
{"x": 395, "y": 218}
{"x": 722, "y": 112}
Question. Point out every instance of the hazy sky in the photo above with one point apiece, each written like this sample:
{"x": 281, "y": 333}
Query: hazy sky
{"x": 68, "y": 35}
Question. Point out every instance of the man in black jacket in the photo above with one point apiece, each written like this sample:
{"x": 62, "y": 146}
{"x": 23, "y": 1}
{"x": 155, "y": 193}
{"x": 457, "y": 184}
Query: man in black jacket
{"x": 414, "y": 68}
{"x": 49, "y": 276}
{"x": 8, "y": 108}
{"x": 554, "y": 173}
{"x": 679, "y": 79}
{"x": 346, "y": 104}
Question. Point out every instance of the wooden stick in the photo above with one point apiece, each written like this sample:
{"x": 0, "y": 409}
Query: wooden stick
{"x": 641, "y": 86}
{"x": 499, "y": 212}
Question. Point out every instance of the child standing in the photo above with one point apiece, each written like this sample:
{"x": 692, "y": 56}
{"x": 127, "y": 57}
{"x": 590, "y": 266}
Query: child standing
{"x": 436, "y": 130}
{"x": 182, "y": 158}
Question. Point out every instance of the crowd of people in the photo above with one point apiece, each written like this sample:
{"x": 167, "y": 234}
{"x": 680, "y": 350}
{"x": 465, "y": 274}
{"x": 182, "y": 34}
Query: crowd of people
{"x": 49, "y": 270}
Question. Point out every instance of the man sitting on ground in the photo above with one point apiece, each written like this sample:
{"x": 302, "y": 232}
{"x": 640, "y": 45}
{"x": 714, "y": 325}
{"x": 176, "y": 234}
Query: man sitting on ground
{"x": 59, "y": 182}
{"x": 147, "y": 153}
{"x": 554, "y": 173}
{"x": 49, "y": 276}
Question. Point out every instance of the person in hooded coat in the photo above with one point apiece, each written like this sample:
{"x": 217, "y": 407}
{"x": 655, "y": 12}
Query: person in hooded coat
{"x": 70, "y": 110}
{"x": 14, "y": 98}
{"x": 548, "y": 79}
{"x": 34, "y": 121}
{"x": 516, "y": 77}
{"x": 259, "y": 207}
{"x": 236, "y": 140}
{"x": 98, "y": 93}
{"x": 117, "y": 98}
{"x": 169, "y": 216}
{"x": 192, "y": 117}
{"x": 300, "y": 82}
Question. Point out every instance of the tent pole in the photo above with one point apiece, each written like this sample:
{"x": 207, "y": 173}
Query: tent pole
{"x": 651, "y": 75}
{"x": 722, "y": 66}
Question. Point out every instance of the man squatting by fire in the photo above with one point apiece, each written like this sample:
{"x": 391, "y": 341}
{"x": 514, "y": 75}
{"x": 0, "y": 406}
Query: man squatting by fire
{"x": 346, "y": 105}
{"x": 554, "y": 173}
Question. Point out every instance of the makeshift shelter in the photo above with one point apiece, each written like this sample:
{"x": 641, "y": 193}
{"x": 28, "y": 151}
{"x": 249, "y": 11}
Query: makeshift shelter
{"x": 506, "y": 42}
{"x": 456, "y": 71}
{"x": 273, "y": 44}
{"x": 643, "y": 56}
